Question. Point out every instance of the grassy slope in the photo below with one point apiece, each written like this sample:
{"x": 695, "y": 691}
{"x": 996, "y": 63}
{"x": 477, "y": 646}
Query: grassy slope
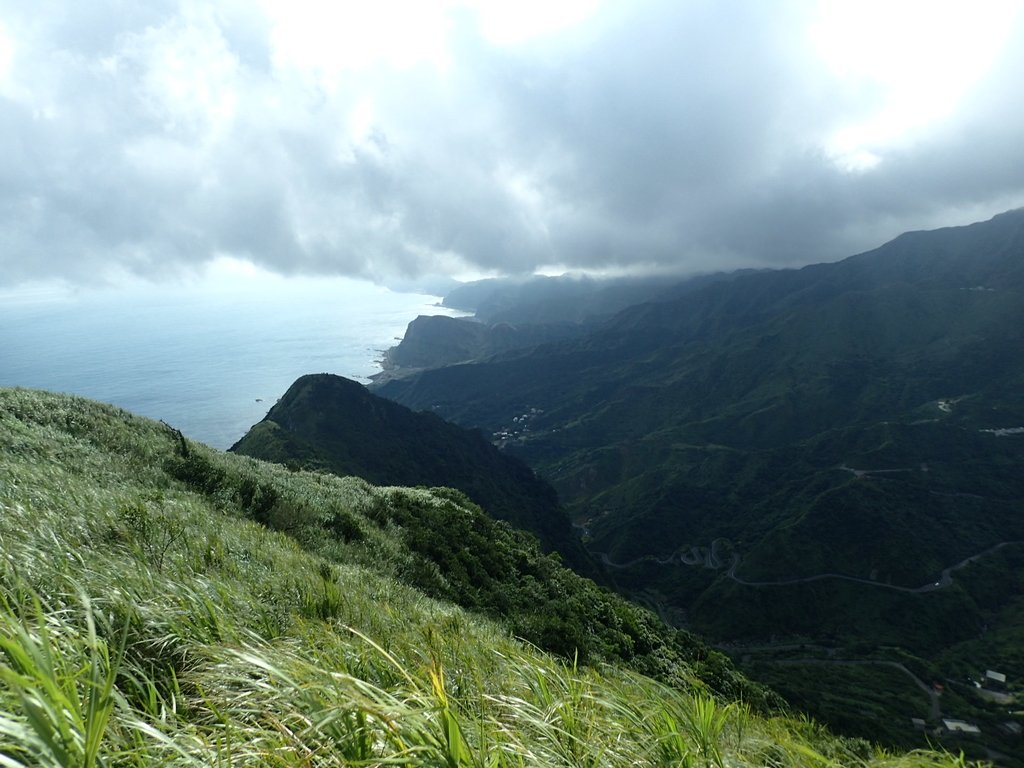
{"x": 144, "y": 621}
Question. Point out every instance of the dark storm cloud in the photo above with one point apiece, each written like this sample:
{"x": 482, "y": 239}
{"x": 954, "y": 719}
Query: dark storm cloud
{"x": 656, "y": 134}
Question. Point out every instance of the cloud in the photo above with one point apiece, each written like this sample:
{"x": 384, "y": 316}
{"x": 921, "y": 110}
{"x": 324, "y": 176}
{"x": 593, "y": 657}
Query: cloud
{"x": 434, "y": 138}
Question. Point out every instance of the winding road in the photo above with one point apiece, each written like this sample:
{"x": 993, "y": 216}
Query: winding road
{"x": 707, "y": 557}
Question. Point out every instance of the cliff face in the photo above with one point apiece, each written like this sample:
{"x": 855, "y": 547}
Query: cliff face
{"x": 436, "y": 340}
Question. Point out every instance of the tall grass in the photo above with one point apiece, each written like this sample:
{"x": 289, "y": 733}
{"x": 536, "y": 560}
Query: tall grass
{"x": 67, "y": 697}
{"x": 142, "y": 623}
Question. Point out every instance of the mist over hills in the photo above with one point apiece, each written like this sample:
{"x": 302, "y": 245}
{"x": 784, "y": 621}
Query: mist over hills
{"x": 564, "y": 299}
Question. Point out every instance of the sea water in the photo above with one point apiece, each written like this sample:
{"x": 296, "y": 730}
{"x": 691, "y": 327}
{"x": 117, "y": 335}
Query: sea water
{"x": 208, "y": 358}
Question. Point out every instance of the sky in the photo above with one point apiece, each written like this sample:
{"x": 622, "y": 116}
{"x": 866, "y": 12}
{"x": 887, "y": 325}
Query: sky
{"x": 393, "y": 141}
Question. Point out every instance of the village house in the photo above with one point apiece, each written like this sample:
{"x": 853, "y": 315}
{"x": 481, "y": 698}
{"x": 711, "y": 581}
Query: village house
{"x": 960, "y": 726}
{"x": 995, "y": 680}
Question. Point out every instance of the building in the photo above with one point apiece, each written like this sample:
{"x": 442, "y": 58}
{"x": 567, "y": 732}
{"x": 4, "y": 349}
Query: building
{"x": 959, "y": 726}
{"x": 994, "y": 679}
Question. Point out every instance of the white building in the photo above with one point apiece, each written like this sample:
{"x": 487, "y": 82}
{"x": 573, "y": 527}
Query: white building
{"x": 959, "y": 726}
{"x": 994, "y": 677}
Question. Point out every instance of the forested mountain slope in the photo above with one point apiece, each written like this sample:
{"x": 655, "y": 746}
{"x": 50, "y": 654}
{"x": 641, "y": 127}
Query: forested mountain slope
{"x": 799, "y": 453}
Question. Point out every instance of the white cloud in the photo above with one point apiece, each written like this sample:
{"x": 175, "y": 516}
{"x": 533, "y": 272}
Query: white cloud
{"x": 914, "y": 61}
{"x": 464, "y": 136}
{"x": 511, "y": 23}
{"x": 6, "y": 56}
{"x": 331, "y": 40}
{"x": 187, "y": 78}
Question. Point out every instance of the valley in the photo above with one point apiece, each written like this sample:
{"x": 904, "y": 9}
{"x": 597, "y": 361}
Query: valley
{"x": 827, "y": 455}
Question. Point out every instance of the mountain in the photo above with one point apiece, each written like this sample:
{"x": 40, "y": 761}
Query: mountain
{"x": 515, "y": 315}
{"x": 800, "y": 456}
{"x": 162, "y": 603}
{"x": 330, "y": 423}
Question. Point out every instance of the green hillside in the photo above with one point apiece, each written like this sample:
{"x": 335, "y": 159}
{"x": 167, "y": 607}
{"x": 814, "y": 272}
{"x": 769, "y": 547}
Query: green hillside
{"x": 147, "y": 619}
{"x": 329, "y": 423}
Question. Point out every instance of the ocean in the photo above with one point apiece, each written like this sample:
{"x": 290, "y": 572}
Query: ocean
{"x": 207, "y": 357}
